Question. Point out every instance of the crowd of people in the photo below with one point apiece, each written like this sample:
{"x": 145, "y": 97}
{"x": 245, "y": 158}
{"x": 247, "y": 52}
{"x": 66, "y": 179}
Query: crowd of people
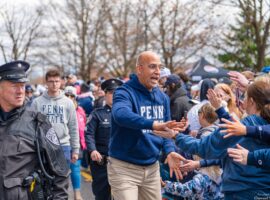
{"x": 155, "y": 136}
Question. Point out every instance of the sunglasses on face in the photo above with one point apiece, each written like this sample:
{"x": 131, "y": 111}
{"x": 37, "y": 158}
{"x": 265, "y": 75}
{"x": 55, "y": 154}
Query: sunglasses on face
{"x": 70, "y": 95}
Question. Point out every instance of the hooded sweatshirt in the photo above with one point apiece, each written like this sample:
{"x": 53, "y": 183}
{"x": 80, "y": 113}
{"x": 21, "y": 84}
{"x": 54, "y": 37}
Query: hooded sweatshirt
{"x": 134, "y": 111}
{"x": 61, "y": 112}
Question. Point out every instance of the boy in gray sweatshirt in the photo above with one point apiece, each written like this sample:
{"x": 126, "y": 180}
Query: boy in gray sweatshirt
{"x": 61, "y": 112}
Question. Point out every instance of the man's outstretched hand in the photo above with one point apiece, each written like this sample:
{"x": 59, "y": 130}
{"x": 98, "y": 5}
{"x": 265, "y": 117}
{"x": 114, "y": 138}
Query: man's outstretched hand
{"x": 162, "y": 126}
{"x": 174, "y": 161}
{"x": 174, "y": 130}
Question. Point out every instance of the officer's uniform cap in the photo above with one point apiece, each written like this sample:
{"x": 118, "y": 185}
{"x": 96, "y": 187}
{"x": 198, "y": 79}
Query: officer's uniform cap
{"x": 111, "y": 84}
{"x": 15, "y": 71}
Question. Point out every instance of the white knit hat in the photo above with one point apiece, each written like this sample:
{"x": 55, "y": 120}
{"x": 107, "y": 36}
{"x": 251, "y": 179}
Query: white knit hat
{"x": 165, "y": 72}
{"x": 71, "y": 90}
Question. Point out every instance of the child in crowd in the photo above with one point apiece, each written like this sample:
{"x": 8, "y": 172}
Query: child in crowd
{"x": 206, "y": 183}
{"x": 71, "y": 92}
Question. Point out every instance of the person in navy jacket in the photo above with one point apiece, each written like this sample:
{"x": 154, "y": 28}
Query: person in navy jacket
{"x": 97, "y": 135}
{"x": 238, "y": 181}
{"x": 139, "y": 107}
{"x": 258, "y": 158}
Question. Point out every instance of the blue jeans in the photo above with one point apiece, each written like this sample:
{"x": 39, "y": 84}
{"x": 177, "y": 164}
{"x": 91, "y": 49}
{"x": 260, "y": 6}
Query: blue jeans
{"x": 76, "y": 174}
{"x": 67, "y": 153}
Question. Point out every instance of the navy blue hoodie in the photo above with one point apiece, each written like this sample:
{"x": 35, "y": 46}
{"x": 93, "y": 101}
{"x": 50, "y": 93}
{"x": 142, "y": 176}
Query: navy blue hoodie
{"x": 133, "y": 112}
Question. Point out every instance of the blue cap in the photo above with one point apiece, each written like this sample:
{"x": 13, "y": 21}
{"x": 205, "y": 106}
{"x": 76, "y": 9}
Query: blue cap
{"x": 266, "y": 69}
{"x": 111, "y": 84}
{"x": 14, "y": 71}
{"x": 28, "y": 88}
{"x": 173, "y": 78}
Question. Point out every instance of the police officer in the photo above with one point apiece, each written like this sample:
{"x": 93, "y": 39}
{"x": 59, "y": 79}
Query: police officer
{"x": 97, "y": 137}
{"x": 21, "y": 174}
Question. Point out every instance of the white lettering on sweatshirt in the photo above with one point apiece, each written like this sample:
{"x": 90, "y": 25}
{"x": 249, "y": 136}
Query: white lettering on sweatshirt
{"x": 55, "y": 113}
{"x": 152, "y": 112}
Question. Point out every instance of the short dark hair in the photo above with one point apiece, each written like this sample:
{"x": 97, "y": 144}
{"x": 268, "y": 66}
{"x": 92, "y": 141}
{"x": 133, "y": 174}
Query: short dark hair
{"x": 52, "y": 73}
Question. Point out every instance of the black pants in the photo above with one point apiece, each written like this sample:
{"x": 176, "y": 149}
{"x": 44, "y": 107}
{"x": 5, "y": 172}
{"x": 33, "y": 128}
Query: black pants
{"x": 100, "y": 185}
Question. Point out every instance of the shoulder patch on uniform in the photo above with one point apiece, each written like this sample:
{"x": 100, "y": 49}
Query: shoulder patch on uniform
{"x": 52, "y": 137}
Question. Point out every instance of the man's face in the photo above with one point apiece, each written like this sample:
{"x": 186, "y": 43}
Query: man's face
{"x": 12, "y": 95}
{"x": 54, "y": 84}
{"x": 29, "y": 93}
{"x": 149, "y": 71}
{"x": 109, "y": 97}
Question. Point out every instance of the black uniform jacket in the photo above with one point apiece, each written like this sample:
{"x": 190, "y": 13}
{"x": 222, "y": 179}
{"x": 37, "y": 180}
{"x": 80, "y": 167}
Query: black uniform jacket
{"x": 97, "y": 134}
{"x": 18, "y": 156}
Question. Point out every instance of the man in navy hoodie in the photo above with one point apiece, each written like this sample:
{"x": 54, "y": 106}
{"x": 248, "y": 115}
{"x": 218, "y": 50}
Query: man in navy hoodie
{"x": 139, "y": 108}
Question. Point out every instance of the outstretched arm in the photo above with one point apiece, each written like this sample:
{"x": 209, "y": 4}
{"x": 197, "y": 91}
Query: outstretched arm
{"x": 259, "y": 158}
{"x": 236, "y": 128}
{"x": 213, "y": 146}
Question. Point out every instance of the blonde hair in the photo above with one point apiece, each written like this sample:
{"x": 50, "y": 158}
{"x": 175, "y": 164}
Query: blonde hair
{"x": 248, "y": 74}
{"x": 208, "y": 113}
{"x": 232, "y": 101}
{"x": 264, "y": 78}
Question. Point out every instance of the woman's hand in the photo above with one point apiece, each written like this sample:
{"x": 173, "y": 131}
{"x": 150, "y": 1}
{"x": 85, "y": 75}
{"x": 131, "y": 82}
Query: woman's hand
{"x": 240, "y": 79}
{"x": 239, "y": 154}
{"x": 190, "y": 165}
{"x": 215, "y": 101}
{"x": 232, "y": 128}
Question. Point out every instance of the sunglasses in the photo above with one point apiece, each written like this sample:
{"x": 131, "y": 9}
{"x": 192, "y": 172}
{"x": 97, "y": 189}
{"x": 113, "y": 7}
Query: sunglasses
{"x": 70, "y": 95}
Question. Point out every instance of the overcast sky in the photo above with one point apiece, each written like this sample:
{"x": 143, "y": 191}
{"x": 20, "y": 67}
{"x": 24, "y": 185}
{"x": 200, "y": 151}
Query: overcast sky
{"x": 225, "y": 11}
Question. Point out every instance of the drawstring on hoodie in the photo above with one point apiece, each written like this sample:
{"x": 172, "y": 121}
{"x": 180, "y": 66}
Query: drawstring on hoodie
{"x": 153, "y": 100}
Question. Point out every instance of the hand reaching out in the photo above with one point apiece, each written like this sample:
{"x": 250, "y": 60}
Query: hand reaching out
{"x": 171, "y": 133}
{"x": 167, "y": 133}
{"x": 239, "y": 154}
{"x": 161, "y": 126}
{"x": 233, "y": 128}
{"x": 215, "y": 101}
{"x": 240, "y": 79}
{"x": 190, "y": 165}
{"x": 174, "y": 161}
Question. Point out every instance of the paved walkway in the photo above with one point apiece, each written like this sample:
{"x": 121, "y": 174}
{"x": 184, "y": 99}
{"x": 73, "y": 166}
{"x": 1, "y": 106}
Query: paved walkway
{"x": 86, "y": 187}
